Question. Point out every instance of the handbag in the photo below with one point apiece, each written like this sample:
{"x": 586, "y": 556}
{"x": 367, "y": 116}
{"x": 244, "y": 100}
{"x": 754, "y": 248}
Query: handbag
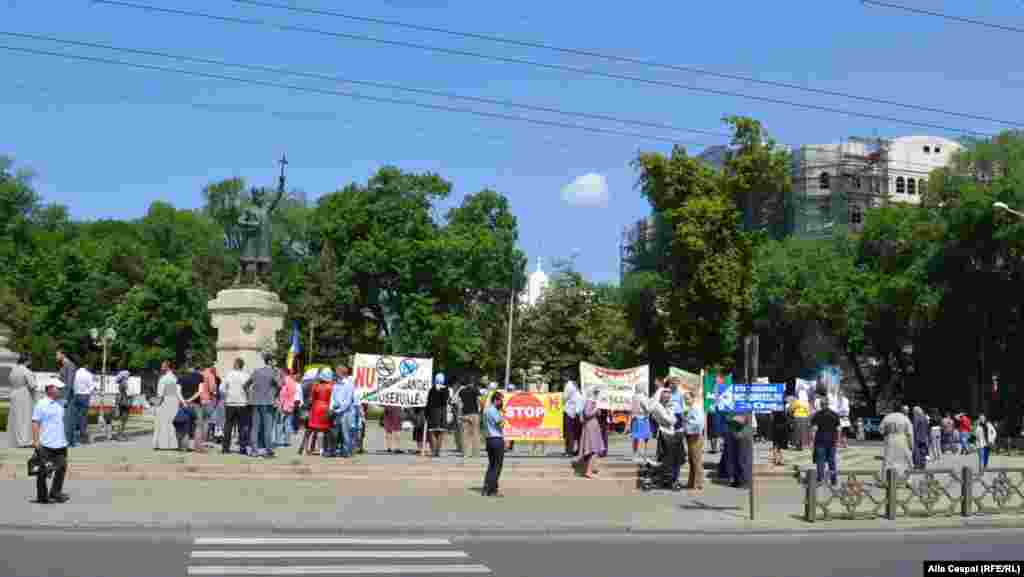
{"x": 37, "y": 465}
{"x": 183, "y": 417}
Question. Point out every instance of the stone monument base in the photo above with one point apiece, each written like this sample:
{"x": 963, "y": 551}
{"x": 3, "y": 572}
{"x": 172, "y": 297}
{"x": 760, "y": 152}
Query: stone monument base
{"x": 247, "y": 322}
{"x": 8, "y": 359}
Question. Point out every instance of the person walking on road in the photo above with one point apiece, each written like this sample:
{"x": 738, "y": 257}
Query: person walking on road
{"x": 23, "y": 400}
{"x": 169, "y": 401}
{"x": 50, "y": 442}
{"x": 494, "y": 422}
{"x": 469, "y": 398}
{"x": 236, "y": 407}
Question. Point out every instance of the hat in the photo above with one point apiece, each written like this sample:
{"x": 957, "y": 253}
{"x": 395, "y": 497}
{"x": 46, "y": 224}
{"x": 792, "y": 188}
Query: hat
{"x": 54, "y": 382}
{"x": 122, "y": 376}
{"x": 439, "y": 379}
{"x": 326, "y": 374}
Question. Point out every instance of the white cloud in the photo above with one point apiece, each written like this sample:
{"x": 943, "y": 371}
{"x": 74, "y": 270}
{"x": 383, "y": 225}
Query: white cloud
{"x": 588, "y": 190}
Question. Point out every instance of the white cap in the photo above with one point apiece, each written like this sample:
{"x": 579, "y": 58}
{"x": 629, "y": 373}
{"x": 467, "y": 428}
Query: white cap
{"x": 54, "y": 382}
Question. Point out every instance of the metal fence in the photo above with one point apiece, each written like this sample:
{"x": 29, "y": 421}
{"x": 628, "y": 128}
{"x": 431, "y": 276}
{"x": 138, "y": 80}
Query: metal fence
{"x": 914, "y": 494}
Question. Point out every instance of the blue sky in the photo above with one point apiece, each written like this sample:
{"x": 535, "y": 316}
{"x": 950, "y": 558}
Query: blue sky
{"x": 108, "y": 141}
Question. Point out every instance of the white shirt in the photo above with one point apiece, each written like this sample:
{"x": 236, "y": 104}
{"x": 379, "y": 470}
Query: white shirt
{"x": 569, "y": 399}
{"x": 85, "y": 383}
{"x": 50, "y": 416}
{"x": 234, "y": 389}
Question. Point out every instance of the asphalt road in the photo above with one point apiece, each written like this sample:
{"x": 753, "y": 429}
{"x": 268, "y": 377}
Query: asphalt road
{"x": 140, "y": 554}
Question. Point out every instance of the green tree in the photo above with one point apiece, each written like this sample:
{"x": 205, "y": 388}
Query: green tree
{"x": 166, "y": 317}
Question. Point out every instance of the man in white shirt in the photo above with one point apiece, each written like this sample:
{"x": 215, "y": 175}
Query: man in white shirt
{"x": 85, "y": 386}
{"x": 569, "y": 417}
{"x": 50, "y": 442}
{"x": 670, "y": 439}
{"x": 235, "y": 392}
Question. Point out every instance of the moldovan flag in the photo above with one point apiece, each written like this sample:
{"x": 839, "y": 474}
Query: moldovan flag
{"x": 296, "y": 348}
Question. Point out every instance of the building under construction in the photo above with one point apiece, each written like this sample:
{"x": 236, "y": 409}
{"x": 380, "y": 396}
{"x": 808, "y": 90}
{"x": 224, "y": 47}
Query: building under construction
{"x": 834, "y": 184}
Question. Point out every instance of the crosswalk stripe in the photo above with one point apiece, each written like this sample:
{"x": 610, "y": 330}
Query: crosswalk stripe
{"x": 340, "y": 570}
{"x": 394, "y": 542}
{"x": 329, "y": 554}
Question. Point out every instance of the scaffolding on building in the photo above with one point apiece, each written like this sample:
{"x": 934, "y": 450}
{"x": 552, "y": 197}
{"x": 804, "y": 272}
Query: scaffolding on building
{"x": 634, "y": 240}
{"x": 833, "y": 185}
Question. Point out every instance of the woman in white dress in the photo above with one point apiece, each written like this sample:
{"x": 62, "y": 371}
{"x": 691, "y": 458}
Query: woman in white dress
{"x": 899, "y": 440}
{"x": 23, "y": 398}
{"x": 170, "y": 400}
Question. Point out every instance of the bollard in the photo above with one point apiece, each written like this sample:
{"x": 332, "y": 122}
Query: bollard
{"x": 810, "y": 502}
{"x": 966, "y": 490}
{"x": 890, "y": 494}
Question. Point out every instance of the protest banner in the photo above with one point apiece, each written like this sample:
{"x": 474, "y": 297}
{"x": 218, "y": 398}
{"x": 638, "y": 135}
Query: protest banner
{"x": 616, "y": 387}
{"x": 393, "y": 381}
{"x": 533, "y": 417}
{"x": 757, "y": 397}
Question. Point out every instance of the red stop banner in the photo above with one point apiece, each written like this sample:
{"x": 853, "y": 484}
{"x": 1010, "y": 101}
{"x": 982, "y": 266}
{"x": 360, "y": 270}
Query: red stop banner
{"x": 524, "y": 411}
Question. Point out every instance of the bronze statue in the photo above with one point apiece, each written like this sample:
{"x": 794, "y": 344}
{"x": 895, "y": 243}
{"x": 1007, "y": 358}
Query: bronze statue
{"x": 255, "y": 223}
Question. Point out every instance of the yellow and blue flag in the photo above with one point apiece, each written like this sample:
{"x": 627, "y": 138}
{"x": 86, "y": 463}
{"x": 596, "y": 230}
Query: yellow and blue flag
{"x": 296, "y": 348}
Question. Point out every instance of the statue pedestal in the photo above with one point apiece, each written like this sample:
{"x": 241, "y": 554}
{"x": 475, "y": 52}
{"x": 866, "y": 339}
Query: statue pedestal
{"x": 247, "y": 322}
{"x": 7, "y": 362}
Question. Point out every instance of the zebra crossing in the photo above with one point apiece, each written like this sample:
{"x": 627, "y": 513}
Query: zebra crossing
{"x": 285, "y": 556}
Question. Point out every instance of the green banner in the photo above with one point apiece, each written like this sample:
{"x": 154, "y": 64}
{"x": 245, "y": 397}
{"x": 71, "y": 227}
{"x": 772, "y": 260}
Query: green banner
{"x": 711, "y": 383}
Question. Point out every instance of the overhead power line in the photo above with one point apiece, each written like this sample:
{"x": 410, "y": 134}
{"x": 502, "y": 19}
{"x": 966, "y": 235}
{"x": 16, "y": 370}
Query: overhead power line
{"x": 341, "y": 80}
{"x": 622, "y": 59}
{"x": 549, "y": 66}
{"x": 290, "y": 72}
{"x": 923, "y": 12}
{"x": 355, "y": 95}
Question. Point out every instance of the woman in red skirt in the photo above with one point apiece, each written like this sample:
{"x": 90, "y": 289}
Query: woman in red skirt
{"x": 319, "y": 408}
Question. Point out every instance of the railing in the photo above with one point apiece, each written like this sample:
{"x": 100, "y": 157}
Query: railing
{"x": 928, "y": 493}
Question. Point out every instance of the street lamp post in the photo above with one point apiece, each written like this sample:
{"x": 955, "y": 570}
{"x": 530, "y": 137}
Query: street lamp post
{"x": 508, "y": 349}
{"x": 103, "y": 339}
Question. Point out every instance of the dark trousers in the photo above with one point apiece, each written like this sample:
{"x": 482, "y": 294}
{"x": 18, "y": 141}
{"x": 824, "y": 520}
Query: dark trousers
{"x": 673, "y": 454}
{"x": 726, "y": 466}
{"x": 240, "y": 417}
{"x": 920, "y": 455}
{"x": 825, "y": 455}
{"x": 495, "y": 459}
{"x": 605, "y": 420}
{"x": 569, "y": 430}
{"x": 742, "y": 458}
{"x": 59, "y": 457}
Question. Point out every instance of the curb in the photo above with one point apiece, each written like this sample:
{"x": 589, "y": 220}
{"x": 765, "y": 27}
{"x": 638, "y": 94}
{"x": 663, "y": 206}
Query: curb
{"x": 755, "y": 528}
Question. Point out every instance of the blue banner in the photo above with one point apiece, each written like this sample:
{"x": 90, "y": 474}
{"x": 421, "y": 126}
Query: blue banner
{"x": 762, "y": 397}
